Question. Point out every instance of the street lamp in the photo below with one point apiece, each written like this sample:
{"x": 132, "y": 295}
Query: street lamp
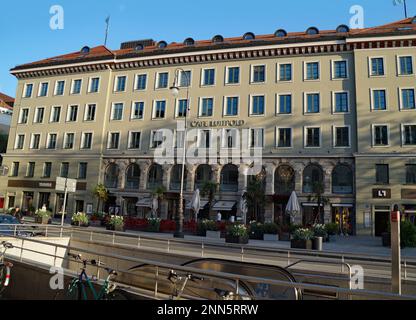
{"x": 175, "y": 90}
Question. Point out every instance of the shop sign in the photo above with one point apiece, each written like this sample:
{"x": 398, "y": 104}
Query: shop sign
{"x": 382, "y": 193}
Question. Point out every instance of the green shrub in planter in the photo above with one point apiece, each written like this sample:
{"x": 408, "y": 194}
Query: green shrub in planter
{"x": 407, "y": 234}
{"x": 237, "y": 233}
{"x": 319, "y": 230}
{"x": 270, "y": 228}
{"x": 294, "y": 227}
{"x": 153, "y": 224}
{"x": 302, "y": 239}
{"x": 43, "y": 216}
{"x": 116, "y": 223}
{"x": 80, "y": 219}
{"x": 256, "y": 230}
{"x": 206, "y": 225}
{"x": 332, "y": 229}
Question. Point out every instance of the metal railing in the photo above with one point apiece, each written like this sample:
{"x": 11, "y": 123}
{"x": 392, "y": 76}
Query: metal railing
{"x": 209, "y": 274}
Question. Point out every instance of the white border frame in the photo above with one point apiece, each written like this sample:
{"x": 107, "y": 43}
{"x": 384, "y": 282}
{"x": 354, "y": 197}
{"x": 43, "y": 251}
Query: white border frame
{"x": 130, "y": 132}
{"x": 333, "y": 69}
{"x": 83, "y": 133}
{"x": 227, "y": 68}
{"x": 203, "y": 77}
{"x": 373, "y": 135}
{"x": 135, "y": 82}
{"x": 200, "y": 107}
{"x": 277, "y": 136}
{"x": 48, "y": 139}
{"x": 370, "y": 67}
{"x": 116, "y": 79}
{"x": 112, "y": 111}
{"x": 334, "y": 136}
{"x": 154, "y": 109}
{"x": 224, "y": 109}
{"x": 132, "y": 110}
{"x": 252, "y": 66}
{"x": 278, "y": 65}
{"x": 71, "y": 93}
{"x": 305, "y": 137}
{"x": 400, "y": 89}
{"x": 333, "y": 94}
{"x": 305, "y": 103}
{"x": 372, "y": 99}
{"x": 402, "y": 125}
{"x": 305, "y": 71}
{"x": 250, "y": 105}
{"x": 277, "y": 111}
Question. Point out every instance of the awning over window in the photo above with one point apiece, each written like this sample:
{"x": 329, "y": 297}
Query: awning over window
{"x": 189, "y": 205}
{"x": 144, "y": 203}
{"x": 224, "y": 205}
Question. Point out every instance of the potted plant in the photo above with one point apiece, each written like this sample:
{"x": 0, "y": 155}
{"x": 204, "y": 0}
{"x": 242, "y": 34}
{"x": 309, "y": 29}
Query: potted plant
{"x": 80, "y": 219}
{"x": 284, "y": 232}
{"x": 320, "y": 234}
{"x": 209, "y": 229}
{"x": 271, "y": 232}
{"x": 43, "y": 216}
{"x": 407, "y": 234}
{"x": 256, "y": 230}
{"x": 116, "y": 223}
{"x": 331, "y": 229}
{"x": 153, "y": 225}
{"x": 96, "y": 219}
{"x": 237, "y": 233}
{"x": 302, "y": 239}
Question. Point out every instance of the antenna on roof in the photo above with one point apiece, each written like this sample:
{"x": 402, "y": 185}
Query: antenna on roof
{"x": 403, "y": 2}
{"x": 107, "y": 21}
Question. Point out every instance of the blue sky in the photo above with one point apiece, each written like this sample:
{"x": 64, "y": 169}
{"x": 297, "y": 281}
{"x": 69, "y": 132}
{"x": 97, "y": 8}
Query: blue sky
{"x": 26, "y": 36}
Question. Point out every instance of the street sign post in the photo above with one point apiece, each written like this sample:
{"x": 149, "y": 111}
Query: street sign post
{"x": 396, "y": 281}
{"x": 67, "y": 186}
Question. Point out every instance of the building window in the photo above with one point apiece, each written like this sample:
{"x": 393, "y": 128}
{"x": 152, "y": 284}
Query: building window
{"x": 233, "y": 75}
{"x": 39, "y": 113}
{"x": 111, "y": 176}
{"x": 60, "y": 87}
{"x": 285, "y": 72}
{"x": 15, "y": 169}
{"x": 377, "y": 66}
{"x": 179, "y": 138}
{"x": 182, "y": 108}
{"x": 312, "y": 71}
{"x": 162, "y": 80}
{"x": 156, "y": 139}
{"x": 121, "y": 83}
{"x": 342, "y": 179}
{"x": 35, "y": 141}
{"x": 208, "y": 77}
{"x": 340, "y": 69}
{"x": 76, "y": 86}
{"x": 20, "y": 142}
{"x": 176, "y": 177}
{"x": 133, "y": 177}
{"x": 28, "y": 90}
{"x": 114, "y": 141}
{"x": 204, "y": 139}
{"x": 409, "y": 135}
{"x": 64, "y": 170}
{"x": 381, "y": 135}
{"x": 86, "y": 142}
{"x": 257, "y": 138}
{"x": 82, "y": 170}
{"x": 72, "y": 114}
{"x": 117, "y": 112}
{"x": 230, "y": 138}
{"x": 24, "y": 116}
{"x": 341, "y": 102}
{"x": 284, "y": 180}
{"x": 231, "y": 108}
{"x": 134, "y": 140}
{"x": 382, "y": 174}
{"x": 411, "y": 174}
{"x": 379, "y": 100}
{"x": 43, "y": 92}
{"x": 229, "y": 178}
{"x": 405, "y": 66}
{"x": 30, "y": 172}
{"x": 342, "y": 137}
{"x": 207, "y": 107}
{"x": 312, "y": 103}
{"x": 258, "y": 74}
{"x": 138, "y": 110}
{"x": 47, "y": 170}
{"x": 69, "y": 140}
{"x": 155, "y": 177}
{"x": 52, "y": 140}
{"x": 94, "y": 85}
{"x": 257, "y": 105}
{"x": 284, "y": 137}
{"x": 56, "y": 114}
{"x": 185, "y": 78}
{"x": 141, "y": 82}
{"x": 90, "y": 112}
{"x": 313, "y": 176}
{"x": 313, "y": 138}
{"x": 408, "y": 99}
{"x": 285, "y": 104}
{"x": 159, "y": 109}
{"x": 203, "y": 173}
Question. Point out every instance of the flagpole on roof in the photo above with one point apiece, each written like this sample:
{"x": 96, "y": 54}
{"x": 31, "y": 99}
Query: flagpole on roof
{"x": 403, "y": 2}
{"x": 107, "y": 21}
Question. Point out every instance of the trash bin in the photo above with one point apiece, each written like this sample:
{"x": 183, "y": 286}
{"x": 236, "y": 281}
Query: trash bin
{"x": 317, "y": 243}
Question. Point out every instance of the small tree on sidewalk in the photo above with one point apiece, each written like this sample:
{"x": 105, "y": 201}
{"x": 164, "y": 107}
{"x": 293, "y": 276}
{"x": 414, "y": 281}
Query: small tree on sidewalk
{"x": 101, "y": 193}
{"x": 208, "y": 189}
{"x": 318, "y": 196}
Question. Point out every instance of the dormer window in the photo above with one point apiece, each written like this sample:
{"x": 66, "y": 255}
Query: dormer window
{"x": 280, "y": 33}
{"x": 162, "y": 44}
{"x": 343, "y": 29}
{"x": 189, "y": 42}
{"x": 218, "y": 39}
{"x": 312, "y": 31}
{"x": 249, "y": 36}
{"x": 85, "y": 50}
{"x": 139, "y": 47}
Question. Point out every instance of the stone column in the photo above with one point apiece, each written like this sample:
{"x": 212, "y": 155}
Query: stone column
{"x": 144, "y": 172}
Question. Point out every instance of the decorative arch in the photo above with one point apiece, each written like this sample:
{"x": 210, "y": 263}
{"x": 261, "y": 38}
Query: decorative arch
{"x": 155, "y": 177}
{"x": 111, "y": 176}
{"x": 342, "y": 179}
{"x": 312, "y": 174}
{"x": 284, "y": 180}
{"x": 176, "y": 176}
{"x": 203, "y": 173}
{"x": 229, "y": 178}
{"x": 133, "y": 177}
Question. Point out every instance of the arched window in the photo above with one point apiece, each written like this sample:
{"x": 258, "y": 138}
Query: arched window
{"x": 189, "y": 42}
{"x": 280, "y": 33}
{"x": 218, "y": 39}
{"x": 176, "y": 176}
{"x": 413, "y": 20}
{"x": 155, "y": 177}
{"x": 203, "y": 173}
{"x": 342, "y": 179}
{"x": 139, "y": 47}
{"x": 284, "y": 180}
{"x": 312, "y": 31}
{"x": 229, "y": 178}
{"x": 162, "y": 44}
{"x": 85, "y": 50}
{"x": 249, "y": 36}
{"x": 111, "y": 176}
{"x": 133, "y": 177}
{"x": 261, "y": 175}
{"x": 343, "y": 29}
{"x": 312, "y": 176}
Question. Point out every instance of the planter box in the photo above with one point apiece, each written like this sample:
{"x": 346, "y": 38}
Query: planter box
{"x": 317, "y": 243}
{"x": 284, "y": 236}
{"x": 42, "y": 220}
{"x": 301, "y": 244}
{"x": 239, "y": 240}
{"x": 386, "y": 239}
{"x": 270, "y": 237}
{"x": 116, "y": 228}
{"x": 77, "y": 224}
{"x": 213, "y": 234}
{"x": 96, "y": 223}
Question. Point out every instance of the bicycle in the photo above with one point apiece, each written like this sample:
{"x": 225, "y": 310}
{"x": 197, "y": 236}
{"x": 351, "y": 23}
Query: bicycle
{"x": 78, "y": 286}
{"x": 5, "y": 267}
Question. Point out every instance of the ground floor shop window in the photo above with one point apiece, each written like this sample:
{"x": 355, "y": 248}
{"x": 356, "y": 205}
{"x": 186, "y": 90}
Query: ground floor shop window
{"x": 381, "y": 220}
{"x": 27, "y": 202}
{"x": 410, "y": 212}
{"x": 345, "y": 219}
{"x": 130, "y": 206}
{"x": 79, "y": 206}
{"x": 311, "y": 215}
{"x": 44, "y": 200}
{"x": 11, "y": 202}
{"x": 60, "y": 203}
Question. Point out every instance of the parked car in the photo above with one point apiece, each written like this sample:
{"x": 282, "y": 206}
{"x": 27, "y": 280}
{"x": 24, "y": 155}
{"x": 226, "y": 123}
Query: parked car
{"x": 7, "y": 223}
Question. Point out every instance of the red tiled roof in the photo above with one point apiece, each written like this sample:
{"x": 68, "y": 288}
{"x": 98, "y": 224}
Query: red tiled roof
{"x": 6, "y": 101}
{"x": 102, "y": 53}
